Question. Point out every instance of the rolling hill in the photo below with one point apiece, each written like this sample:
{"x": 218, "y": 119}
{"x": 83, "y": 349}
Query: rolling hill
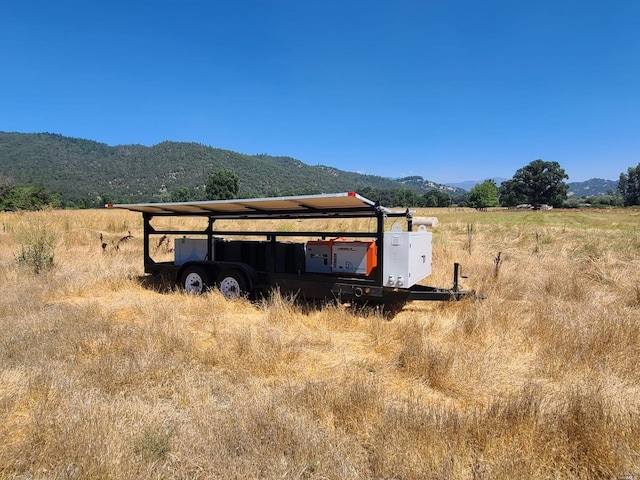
{"x": 86, "y": 171}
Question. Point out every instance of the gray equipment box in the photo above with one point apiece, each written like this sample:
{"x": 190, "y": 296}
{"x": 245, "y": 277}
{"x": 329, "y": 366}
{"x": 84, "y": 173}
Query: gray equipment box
{"x": 318, "y": 257}
{"x": 189, "y": 249}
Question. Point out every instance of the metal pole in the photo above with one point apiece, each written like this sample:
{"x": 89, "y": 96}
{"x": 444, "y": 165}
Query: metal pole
{"x": 456, "y": 274}
{"x": 380, "y": 244}
{"x": 210, "y": 239}
{"x": 147, "y": 230}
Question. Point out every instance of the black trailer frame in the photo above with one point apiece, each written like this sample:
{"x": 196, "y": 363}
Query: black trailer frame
{"x": 239, "y": 277}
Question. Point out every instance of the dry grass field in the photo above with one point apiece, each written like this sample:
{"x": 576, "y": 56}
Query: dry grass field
{"x": 105, "y": 377}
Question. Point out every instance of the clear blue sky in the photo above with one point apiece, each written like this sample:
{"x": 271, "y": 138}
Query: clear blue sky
{"x": 449, "y": 90}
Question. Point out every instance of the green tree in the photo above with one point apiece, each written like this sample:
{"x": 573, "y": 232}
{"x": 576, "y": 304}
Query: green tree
{"x": 405, "y": 197}
{"x": 180, "y": 194}
{"x": 385, "y": 196}
{"x": 629, "y": 186}
{"x": 222, "y": 185}
{"x": 538, "y": 183}
{"x": 484, "y": 195}
{"x": 510, "y": 194}
{"x": 436, "y": 198}
{"x": 27, "y": 198}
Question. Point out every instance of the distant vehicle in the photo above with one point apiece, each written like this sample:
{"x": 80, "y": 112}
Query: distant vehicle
{"x": 375, "y": 266}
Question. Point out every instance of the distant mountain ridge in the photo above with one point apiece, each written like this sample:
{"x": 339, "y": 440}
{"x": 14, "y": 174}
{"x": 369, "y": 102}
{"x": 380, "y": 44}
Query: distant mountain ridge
{"x": 89, "y": 171}
{"x": 419, "y": 183}
{"x": 469, "y": 184}
{"x": 593, "y": 188}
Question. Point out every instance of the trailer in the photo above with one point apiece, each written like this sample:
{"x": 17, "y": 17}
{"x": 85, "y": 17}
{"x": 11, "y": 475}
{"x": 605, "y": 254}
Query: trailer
{"x": 370, "y": 264}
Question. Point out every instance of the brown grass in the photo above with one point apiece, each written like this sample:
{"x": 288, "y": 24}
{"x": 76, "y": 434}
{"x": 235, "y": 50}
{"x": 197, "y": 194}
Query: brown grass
{"x": 104, "y": 377}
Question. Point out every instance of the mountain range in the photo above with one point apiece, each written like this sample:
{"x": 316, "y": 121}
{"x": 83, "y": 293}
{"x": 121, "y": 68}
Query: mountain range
{"x": 89, "y": 172}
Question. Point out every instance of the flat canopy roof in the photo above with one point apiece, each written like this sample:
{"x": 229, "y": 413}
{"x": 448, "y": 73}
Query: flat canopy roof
{"x": 347, "y": 203}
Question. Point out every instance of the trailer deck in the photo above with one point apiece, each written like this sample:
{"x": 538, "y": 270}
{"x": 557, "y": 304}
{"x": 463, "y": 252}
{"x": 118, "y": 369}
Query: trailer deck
{"x": 374, "y": 266}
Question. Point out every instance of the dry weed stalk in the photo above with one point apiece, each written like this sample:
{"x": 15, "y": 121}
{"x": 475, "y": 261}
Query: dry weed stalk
{"x": 497, "y": 262}
{"x": 164, "y": 241}
{"x": 115, "y": 244}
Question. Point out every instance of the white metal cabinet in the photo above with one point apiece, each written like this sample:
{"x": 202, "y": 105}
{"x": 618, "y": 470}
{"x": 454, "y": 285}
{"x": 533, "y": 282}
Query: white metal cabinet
{"x": 407, "y": 257}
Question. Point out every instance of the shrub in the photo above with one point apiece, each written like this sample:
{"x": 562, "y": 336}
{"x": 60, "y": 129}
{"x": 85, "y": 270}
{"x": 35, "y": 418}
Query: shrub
{"x": 37, "y": 246}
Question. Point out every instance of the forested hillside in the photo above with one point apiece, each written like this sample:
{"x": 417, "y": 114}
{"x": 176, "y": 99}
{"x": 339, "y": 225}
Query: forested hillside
{"x": 85, "y": 172}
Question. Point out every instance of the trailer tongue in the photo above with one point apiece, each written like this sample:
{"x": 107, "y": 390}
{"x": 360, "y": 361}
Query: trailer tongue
{"x": 375, "y": 266}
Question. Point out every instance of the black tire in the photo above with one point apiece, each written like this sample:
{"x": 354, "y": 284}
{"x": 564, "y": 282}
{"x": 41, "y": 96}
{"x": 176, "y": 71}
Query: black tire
{"x": 194, "y": 280}
{"x": 232, "y": 284}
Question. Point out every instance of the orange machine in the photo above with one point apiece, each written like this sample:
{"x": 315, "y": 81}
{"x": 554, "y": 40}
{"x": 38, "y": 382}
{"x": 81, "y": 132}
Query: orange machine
{"x": 341, "y": 256}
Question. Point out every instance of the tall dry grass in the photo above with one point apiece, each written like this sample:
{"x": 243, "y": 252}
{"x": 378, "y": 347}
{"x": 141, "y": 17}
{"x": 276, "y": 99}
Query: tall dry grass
{"x": 102, "y": 376}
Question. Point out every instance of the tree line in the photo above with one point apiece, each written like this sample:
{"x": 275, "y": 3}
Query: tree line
{"x": 543, "y": 183}
{"x": 14, "y": 198}
{"x": 536, "y": 184}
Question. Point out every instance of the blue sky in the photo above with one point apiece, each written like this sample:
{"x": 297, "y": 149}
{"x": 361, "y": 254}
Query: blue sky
{"x": 449, "y": 90}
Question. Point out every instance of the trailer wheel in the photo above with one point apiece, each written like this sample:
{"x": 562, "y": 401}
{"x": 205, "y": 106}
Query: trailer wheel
{"x": 194, "y": 280}
{"x": 232, "y": 284}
